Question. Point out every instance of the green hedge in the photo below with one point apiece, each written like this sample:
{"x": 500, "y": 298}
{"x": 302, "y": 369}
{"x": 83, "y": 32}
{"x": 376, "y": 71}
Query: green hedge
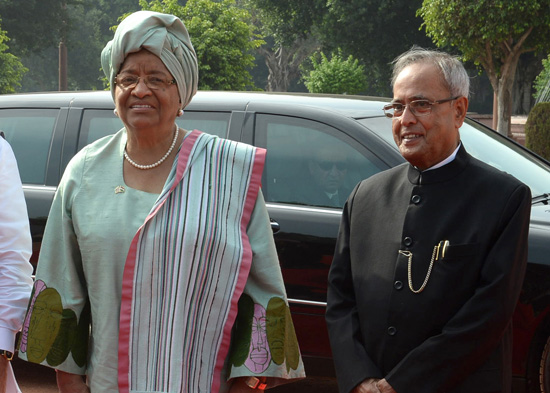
{"x": 537, "y": 130}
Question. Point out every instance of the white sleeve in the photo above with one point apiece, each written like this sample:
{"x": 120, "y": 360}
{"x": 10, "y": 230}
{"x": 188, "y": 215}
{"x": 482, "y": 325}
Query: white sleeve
{"x": 15, "y": 249}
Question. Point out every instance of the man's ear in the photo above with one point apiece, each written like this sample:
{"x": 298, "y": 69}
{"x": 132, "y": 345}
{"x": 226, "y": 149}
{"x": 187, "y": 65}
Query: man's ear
{"x": 460, "y": 108}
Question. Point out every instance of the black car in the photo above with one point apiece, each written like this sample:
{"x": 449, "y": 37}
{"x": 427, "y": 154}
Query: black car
{"x": 47, "y": 129}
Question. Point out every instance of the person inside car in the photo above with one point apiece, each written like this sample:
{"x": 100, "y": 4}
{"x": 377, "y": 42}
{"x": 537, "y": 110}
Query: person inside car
{"x": 328, "y": 169}
{"x": 160, "y": 237}
{"x": 431, "y": 254}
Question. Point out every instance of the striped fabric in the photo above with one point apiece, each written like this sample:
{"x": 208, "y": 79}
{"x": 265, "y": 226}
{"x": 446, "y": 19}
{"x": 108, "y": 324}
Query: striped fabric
{"x": 187, "y": 268}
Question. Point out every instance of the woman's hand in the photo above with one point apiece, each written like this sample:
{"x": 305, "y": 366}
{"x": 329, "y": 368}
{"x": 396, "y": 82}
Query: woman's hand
{"x": 71, "y": 383}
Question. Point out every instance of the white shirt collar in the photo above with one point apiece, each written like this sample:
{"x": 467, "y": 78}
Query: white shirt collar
{"x": 446, "y": 160}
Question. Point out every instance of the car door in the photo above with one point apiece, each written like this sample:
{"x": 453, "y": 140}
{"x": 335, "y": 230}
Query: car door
{"x": 307, "y": 150}
{"x": 35, "y": 135}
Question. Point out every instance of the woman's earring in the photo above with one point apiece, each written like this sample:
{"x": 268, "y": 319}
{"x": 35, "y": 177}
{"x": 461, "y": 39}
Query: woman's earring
{"x": 180, "y": 112}
{"x": 115, "y": 112}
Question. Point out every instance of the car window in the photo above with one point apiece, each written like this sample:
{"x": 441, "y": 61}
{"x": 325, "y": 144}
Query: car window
{"x": 381, "y": 126}
{"x": 97, "y": 123}
{"x": 215, "y": 123}
{"x": 29, "y": 132}
{"x": 310, "y": 163}
{"x": 506, "y": 156}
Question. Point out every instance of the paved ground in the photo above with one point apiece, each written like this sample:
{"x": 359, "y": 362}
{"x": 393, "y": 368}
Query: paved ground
{"x": 33, "y": 378}
{"x": 38, "y": 379}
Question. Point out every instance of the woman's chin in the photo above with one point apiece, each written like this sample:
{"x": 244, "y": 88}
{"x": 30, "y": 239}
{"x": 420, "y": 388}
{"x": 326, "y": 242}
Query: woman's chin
{"x": 142, "y": 122}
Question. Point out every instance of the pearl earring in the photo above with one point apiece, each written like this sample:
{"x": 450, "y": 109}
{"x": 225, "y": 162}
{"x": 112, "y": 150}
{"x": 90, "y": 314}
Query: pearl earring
{"x": 115, "y": 112}
{"x": 180, "y": 112}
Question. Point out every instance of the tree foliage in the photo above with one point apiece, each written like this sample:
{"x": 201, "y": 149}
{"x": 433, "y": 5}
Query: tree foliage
{"x": 537, "y": 130}
{"x": 292, "y": 30}
{"x": 542, "y": 82}
{"x": 375, "y": 32}
{"x": 335, "y": 76}
{"x": 287, "y": 20}
{"x": 11, "y": 69}
{"x": 33, "y": 24}
{"x": 223, "y": 37}
{"x": 493, "y": 34}
{"x": 37, "y": 32}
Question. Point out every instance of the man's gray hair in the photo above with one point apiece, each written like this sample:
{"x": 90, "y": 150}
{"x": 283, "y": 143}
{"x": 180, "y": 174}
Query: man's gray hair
{"x": 452, "y": 69}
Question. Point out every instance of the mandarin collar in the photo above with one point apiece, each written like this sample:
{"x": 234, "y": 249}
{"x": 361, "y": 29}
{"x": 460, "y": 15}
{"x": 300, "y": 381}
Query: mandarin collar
{"x": 444, "y": 173}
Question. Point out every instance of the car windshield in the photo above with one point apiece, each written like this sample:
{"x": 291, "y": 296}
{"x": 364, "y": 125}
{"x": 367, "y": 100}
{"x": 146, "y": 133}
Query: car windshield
{"x": 490, "y": 147}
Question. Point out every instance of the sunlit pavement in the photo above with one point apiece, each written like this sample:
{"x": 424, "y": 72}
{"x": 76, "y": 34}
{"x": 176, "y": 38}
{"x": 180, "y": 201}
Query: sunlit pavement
{"x": 33, "y": 378}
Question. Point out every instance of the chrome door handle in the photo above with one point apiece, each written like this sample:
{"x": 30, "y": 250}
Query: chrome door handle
{"x": 275, "y": 227}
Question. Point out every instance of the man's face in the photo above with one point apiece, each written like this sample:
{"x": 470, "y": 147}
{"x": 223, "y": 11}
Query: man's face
{"x": 426, "y": 140}
{"x": 328, "y": 169}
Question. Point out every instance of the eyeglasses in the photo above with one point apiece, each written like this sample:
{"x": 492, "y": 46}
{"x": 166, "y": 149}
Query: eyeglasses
{"x": 151, "y": 81}
{"x": 328, "y": 165}
{"x": 417, "y": 107}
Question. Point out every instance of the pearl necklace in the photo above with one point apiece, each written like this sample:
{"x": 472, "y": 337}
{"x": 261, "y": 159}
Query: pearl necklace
{"x": 150, "y": 166}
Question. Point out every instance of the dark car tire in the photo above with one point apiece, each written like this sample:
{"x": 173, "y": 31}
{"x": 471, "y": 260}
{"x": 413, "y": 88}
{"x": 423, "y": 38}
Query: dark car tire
{"x": 538, "y": 370}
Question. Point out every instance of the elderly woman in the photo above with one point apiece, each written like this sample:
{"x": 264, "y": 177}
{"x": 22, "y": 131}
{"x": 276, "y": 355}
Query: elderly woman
{"x": 158, "y": 245}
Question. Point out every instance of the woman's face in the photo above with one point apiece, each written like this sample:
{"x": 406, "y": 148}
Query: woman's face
{"x": 140, "y": 107}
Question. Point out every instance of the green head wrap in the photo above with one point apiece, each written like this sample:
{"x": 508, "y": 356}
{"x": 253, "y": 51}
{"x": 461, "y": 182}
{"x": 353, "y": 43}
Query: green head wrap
{"x": 161, "y": 34}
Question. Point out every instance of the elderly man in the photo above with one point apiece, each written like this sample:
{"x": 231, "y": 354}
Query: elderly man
{"x": 15, "y": 269}
{"x": 327, "y": 169}
{"x": 431, "y": 254}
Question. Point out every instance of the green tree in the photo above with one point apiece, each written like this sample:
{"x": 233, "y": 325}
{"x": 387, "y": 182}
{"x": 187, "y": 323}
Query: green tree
{"x": 335, "y": 76}
{"x": 358, "y": 27}
{"x": 493, "y": 34}
{"x": 292, "y": 30}
{"x": 37, "y": 33}
{"x": 223, "y": 37}
{"x": 11, "y": 69}
{"x": 33, "y": 24}
{"x": 537, "y": 130}
{"x": 375, "y": 32}
{"x": 92, "y": 22}
{"x": 542, "y": 82}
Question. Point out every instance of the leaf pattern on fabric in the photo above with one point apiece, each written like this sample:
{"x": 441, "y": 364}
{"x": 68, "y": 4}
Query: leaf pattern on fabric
{"x": 242, "y": 331}
{"x": 44, "y": 324}
{"x": 79, "y": 349}
{"x": 51, "y": 332}
{"x": 64, "y": 340}
{"x": 281, "y": 336}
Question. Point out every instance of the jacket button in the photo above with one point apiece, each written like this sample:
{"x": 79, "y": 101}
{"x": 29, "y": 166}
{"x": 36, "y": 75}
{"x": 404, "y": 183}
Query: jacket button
{"x": 408, "y": 241}
{"x": 392, "y": 331}
{"x": 398, "y": 285}
{"x": 416, "y": 199}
